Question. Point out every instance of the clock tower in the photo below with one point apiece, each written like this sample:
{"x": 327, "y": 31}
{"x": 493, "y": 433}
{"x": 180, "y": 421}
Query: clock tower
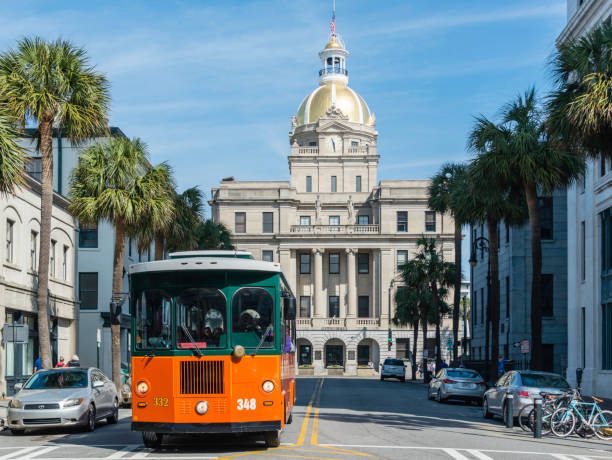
{"x": 333, "y": 135}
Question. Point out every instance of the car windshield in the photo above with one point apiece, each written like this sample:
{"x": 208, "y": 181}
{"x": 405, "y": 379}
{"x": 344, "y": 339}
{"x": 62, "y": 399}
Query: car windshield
{"x": 252, "y": 317}
{"x": 153, "y": 313}
{"x": 50, "y": 380}
{"x": 462, "y": 374}
{"x": 201, "y": 316}
{"x": 394, "y": 362}
{"x": 544, "y": 380}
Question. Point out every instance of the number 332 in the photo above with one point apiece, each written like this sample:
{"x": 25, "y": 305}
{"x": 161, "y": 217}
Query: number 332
{"x": 247, "y": 404}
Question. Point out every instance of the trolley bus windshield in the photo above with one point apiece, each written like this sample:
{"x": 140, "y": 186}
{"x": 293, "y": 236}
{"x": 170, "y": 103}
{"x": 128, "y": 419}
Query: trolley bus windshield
{"x": 201, "y": 311}
{"x": 252, "y": 318}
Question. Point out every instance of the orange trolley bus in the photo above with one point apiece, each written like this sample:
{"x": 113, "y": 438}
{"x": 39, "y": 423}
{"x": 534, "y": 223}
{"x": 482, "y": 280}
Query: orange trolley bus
{"x": 213, "y": 346}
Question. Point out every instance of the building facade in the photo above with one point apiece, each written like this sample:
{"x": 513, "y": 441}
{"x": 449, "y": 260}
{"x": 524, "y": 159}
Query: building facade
{"x": 94, "y": 252}
{"x": 589, "y": 207}
{"x": 20, "y": 230}
{"x": 338, "y": 233}
{"x": 515, "y": 288}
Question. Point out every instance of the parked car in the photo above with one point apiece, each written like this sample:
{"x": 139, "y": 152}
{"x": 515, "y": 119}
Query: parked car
{"x": 456, "y": 383}
{"x": 126, "y": 393}
{"x": 393, "y": 368}
{"x": 524, "y": 386}
{"x": 63, "y": 397}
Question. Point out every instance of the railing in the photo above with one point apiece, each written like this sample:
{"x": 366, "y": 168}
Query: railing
{"x": 349, "y": 323}
{"x": 334, "y": 229}
{"x": 368, "y": 322}
{"x": 307, "y": 150}
{"x": 333, "y": 69}
{"x": 357, "y": 150}
{"x": 304, "y": 321}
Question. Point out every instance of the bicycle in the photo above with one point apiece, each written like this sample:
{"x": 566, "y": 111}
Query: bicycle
{"x": 597, "y": 421}
{"x": 550, "y": 402}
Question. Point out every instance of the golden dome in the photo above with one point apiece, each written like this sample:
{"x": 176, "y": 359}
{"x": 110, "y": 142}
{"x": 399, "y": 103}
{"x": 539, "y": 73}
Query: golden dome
{"x": 334, "y": 44}
{"x": 321, "y": 99}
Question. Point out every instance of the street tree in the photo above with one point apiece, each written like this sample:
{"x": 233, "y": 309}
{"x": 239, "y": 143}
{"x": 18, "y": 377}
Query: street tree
{"x": 446, "y": 184}
{"x": 13, "y": 159}
{"x": 213, "y": 235}
{"x": 540, "y": 163}
{"x": 52, "y": 84}
{"x": 580, "y": 106}
{"x": 113, "y": 181}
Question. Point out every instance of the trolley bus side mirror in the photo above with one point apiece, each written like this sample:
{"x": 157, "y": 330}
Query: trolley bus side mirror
{"x": 289, "y": 306}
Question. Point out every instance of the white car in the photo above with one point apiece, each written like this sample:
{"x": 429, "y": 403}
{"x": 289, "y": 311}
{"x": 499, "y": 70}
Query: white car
{"x": 68, "y": 396}
{"x": 394, "y": 368}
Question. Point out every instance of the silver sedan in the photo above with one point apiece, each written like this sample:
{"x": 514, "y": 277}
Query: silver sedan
{"x": 63, "y": 397}
{"x": 459, "y": 383}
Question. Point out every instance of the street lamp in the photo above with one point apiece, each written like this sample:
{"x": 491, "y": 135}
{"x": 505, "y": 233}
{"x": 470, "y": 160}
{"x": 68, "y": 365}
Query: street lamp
{"x": 482, "y": 243}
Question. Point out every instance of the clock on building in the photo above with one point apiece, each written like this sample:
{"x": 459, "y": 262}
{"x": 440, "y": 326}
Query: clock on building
{"x": 335, "y": 143}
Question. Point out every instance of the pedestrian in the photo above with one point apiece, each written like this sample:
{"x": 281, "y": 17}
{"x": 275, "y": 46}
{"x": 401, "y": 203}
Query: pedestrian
{"x": 61, "y": 362}
{"x": 500, "y": 365}
{"x": 443, "y": 365}
{"x": 37, "y": 365}
{"x": 461, "y": 365}
{"x": 74, "y": 362}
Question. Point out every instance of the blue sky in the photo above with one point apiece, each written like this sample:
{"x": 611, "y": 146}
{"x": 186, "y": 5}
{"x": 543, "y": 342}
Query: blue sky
{"x": 211, "y": 85}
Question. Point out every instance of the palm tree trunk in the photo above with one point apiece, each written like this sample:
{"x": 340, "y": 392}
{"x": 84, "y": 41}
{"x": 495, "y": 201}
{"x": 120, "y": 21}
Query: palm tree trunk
{"x": 434, "y": 292}
{"x": 488, "y": 331}
{"x": 457, "y": 293}
{"x": 118, "y": 257}
{"x": 159, "y": 247}
{"x": 533, "y": 208}
{"x": 494, "y": 296}
{"x": 424, "y": 327}
{"x": 46, "y": 209}
{"x": 414, "y": 348}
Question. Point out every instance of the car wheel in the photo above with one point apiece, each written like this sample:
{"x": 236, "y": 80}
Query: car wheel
{"x": 429, "y": 396}
{"x": 17, "y": 432}
{"x": 152, "y": 440}
{"x": 382, "y": 378}
{"x": 402, "y": 379}
{"x": 485, "y": 409}
{"x": 272, "y": 438}
{"x": 114, "y": 417}
{"x": 290, "y": 419}
{"x": 90, "y": 425}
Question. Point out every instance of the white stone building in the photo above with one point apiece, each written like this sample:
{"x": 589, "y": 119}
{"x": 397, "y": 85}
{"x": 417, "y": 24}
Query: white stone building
{"x": 338, "y": 233}
{"x": 20, "y": 230}
{"x": 589, "y": 245}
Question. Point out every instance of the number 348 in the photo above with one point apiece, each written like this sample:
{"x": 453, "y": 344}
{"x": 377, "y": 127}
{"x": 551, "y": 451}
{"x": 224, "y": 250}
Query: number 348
{"x": 246, "y": 404}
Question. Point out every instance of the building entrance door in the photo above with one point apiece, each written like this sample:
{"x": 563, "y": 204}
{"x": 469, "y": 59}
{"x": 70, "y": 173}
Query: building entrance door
{"x": 305, "y": 356}
{"x": 20, "y": 357}
{"x": 334, "y": 355}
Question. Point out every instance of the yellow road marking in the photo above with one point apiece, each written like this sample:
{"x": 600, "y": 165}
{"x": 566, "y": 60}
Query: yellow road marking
{"x": 315, "y": 428}
{"x": 304, "y": 426}
{"x": 349, "y": 452}
{"x": 297, "y": 456}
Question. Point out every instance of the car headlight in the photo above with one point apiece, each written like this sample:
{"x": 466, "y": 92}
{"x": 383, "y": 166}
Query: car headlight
{"x": 126, "y": 389}
{"x": 142, "y": 387}
{"x": 15, "y": 404}
{"x": 267, "y": 386}
{"x": 73, "y": 402}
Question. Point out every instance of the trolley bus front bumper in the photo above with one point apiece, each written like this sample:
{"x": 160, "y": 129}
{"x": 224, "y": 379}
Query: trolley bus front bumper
{"x": 178, "y": 428}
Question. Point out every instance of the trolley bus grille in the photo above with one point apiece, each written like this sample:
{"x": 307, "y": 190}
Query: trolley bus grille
{"x": 201, "y": 377}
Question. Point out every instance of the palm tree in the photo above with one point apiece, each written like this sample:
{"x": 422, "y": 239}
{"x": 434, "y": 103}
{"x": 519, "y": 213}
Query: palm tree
{"x": 448, "y": 182}
{"x": 440, "y": 275}
{"x": 490, "y": 198}
{"x": 212, "y": 235}
{"x": 52, "y": 83}
{"x": 114, "y": 181}
{"x": 180, "y": 234}
{"x": 12, "y": 158}
{"x": 407, "y": 313}
{"x": 580, "y": 107}
{"x": 526, "y": 152}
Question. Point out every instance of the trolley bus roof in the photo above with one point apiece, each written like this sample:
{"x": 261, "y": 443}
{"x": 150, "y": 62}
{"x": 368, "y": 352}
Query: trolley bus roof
{"x": 211, "y": 253}
{"x": 206, "y": 263}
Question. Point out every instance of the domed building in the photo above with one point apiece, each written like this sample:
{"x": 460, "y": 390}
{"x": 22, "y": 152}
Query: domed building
{"x": 339, "y": 234}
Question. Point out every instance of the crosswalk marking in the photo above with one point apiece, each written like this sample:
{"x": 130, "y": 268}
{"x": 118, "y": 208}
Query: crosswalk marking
{"x": 126, "y": 450}
{"x": 561, "y": 456}
{"x": 455, "y": 454}
{"x": 19, "y": 453}
{"x": 479, "y": 455}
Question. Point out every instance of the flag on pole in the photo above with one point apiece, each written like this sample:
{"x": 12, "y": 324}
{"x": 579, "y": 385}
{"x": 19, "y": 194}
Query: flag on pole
{"x": 333, "y": 21}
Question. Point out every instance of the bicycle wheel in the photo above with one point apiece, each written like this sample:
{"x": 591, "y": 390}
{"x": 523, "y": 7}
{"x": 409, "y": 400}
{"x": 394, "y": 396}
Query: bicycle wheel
{"x": 583, "y": 430}
{"x": 524, "y": 417}
{"x": 562, "y": 422}
{"x": 547, "y": 413}
{"x": 602, "y": 425}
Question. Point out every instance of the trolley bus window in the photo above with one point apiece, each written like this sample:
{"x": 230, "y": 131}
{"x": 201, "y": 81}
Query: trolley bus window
{"x": 203, "y": 312}
{"x": 153, "y": 313}
{"x": 252, "y": 313}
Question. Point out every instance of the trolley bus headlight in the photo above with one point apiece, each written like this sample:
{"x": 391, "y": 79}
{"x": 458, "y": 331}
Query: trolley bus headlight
{"x": 238, "y": 351}
{"x": 267, "y": 386}
{"x": 201, "y": 407}
{"x": 142, "y": 387}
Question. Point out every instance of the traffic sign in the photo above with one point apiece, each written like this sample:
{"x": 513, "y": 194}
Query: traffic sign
{"x": 525, "y": 346}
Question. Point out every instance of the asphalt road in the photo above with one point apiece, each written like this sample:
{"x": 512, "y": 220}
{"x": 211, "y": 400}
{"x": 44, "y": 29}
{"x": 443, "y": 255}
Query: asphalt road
{"x": 334, "y": 418}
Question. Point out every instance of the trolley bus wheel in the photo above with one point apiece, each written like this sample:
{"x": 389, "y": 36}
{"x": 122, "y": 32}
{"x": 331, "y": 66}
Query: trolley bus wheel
{"x": 152, "y": 440}
{"x": 290, "y": 419}
{"x": 272, "y": 438}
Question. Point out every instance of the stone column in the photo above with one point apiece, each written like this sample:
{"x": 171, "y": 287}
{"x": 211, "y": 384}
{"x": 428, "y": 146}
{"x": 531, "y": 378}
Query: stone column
{"x": 351, "y": 283}
{"x": 319, "y": 302}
